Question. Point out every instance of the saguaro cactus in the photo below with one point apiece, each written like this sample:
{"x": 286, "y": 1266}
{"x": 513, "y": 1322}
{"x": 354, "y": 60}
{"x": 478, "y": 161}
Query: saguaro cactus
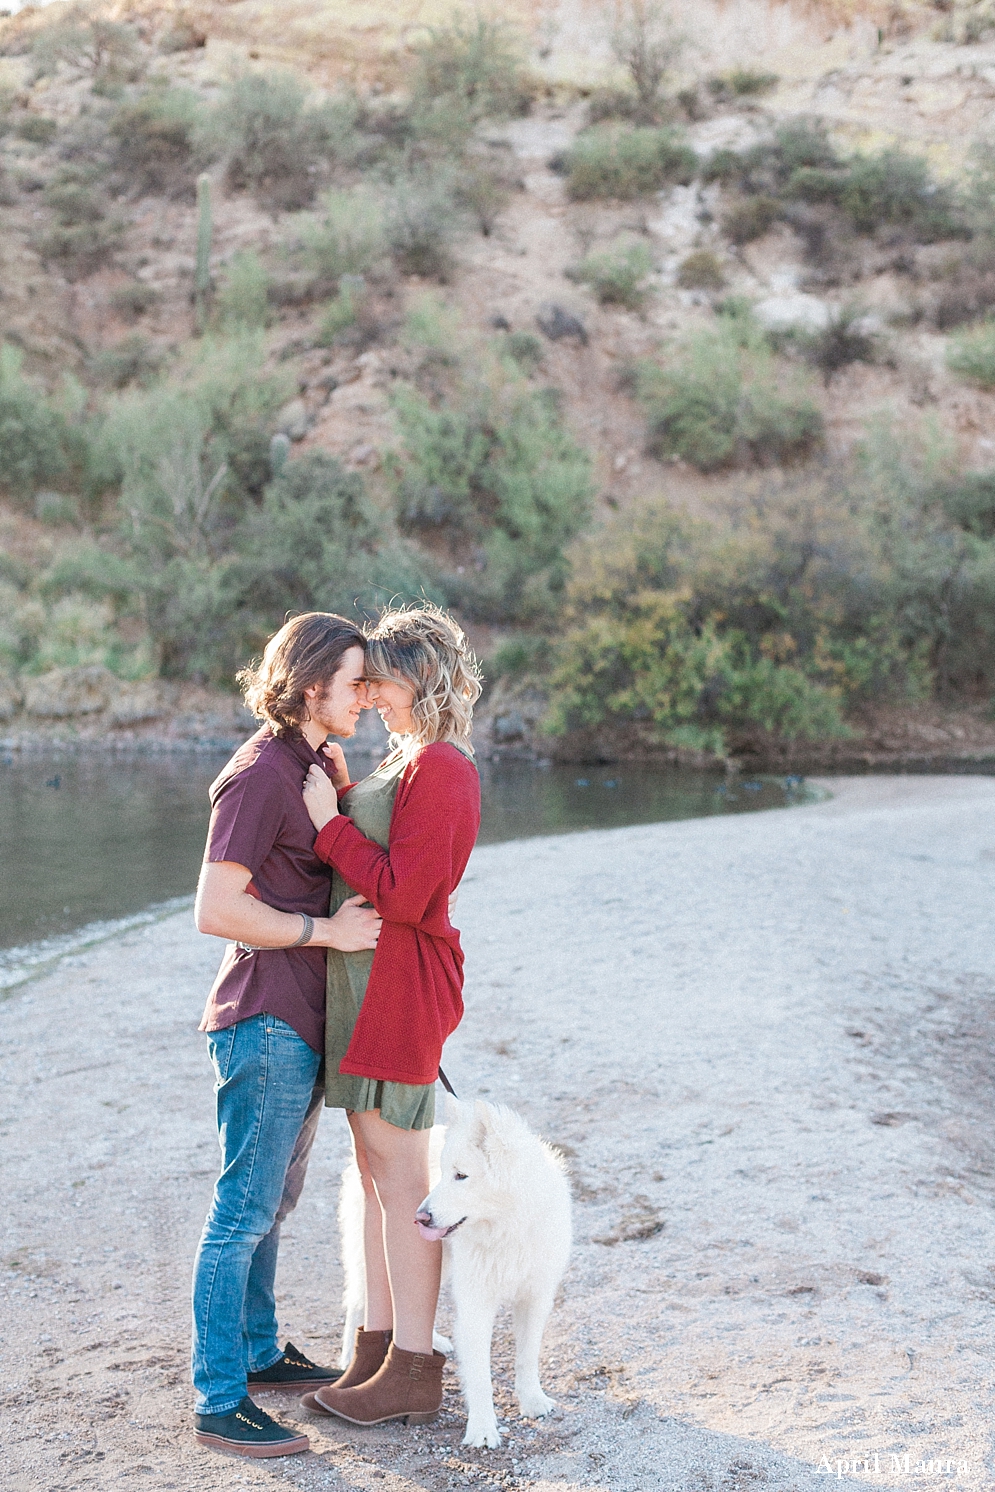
{"x": 202, "y": 275}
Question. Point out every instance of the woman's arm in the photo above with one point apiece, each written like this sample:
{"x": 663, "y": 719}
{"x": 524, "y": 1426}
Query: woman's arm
{"x": 436, "y": 807}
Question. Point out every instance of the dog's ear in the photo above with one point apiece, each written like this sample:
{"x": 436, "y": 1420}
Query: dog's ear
{"x": 452, "y": 1109}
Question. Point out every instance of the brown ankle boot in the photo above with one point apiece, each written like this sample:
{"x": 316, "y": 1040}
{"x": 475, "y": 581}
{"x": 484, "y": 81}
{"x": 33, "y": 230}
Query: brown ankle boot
{"x": 408, "y": 1387}
{"x": 367, "y": 1356}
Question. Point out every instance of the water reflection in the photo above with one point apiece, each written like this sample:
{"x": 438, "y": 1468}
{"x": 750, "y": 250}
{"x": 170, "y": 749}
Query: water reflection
{"x": 92, "y": 838}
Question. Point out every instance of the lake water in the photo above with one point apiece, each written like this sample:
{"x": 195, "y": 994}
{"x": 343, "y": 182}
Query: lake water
{"x": 89, "y": 840}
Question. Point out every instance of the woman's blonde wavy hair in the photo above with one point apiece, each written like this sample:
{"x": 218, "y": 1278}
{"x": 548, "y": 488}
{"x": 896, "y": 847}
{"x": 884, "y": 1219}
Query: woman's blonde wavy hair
{"x": 424, "y": 646}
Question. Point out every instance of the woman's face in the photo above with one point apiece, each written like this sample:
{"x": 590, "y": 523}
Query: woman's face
{"x": 393, "y": 699}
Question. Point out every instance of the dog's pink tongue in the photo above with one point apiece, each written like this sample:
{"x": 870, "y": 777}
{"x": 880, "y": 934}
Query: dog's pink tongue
{"x": 423, "y": 1221}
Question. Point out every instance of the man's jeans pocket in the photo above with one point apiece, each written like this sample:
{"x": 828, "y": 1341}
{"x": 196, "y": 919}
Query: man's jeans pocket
{"x": 220, "y": 1046}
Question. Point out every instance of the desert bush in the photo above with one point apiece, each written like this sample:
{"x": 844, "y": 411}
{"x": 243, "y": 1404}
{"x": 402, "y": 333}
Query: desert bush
{"x": 107, "y": 51}
{"x": 74, "y": 202}
{"x": 489, "y": 471}
{"x": 133, "y": 360}
{"x": 612, "y": 161}
{"x": 965, "y": 290}
{"x": 526, "y": 349}
{"x": 751, "y": 219}
{"x": 318, "y": 543}
{"x": 889, "y": 189}
{"x": 422, "y": 219}
{"x": 617, "y": 275}
{"x": 349, "y": 237}
{"x": 723, "y": 165}
{"x": 747, "y": 82}
{"x": 243, "y": 299}
{"x": 37, "y": 129}
{"x": 784, "y": 608}
{"x": 722, "y": 401}
{"x": 483, "y": 187}
{"x": 465, "y": 71}
{"x": 276, "y": 145}
{"x": 690, "y": 682}
{"x": 608, "y": 104}
{"x": 134, "y": 300}
{"x": 701, "y": 270}
{"x": 154, "y": 139}
{"x": 972, "y": 355}
{"x": 81, "y": 250}
{"x": 647, "y": 44}
{"x": 842, "y": 341}
{"x": 33, "y": 434}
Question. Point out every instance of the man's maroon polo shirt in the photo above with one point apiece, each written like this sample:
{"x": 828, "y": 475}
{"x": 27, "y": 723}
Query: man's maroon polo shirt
{"x": 258, "y": 820}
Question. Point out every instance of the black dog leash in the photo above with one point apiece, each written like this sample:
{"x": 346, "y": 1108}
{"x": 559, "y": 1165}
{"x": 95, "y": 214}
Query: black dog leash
{"x": 447, "y": 1084}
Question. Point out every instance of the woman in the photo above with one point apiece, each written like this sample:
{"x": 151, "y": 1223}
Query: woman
{"x": 402, "y": 838}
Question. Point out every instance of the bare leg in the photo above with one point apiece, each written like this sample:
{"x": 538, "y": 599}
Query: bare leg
{"x": 378, "y": 1311}
{"x": 398, "y": 1163}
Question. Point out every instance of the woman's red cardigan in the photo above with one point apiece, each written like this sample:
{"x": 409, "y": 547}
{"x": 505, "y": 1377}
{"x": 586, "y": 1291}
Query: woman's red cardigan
{"x": 414, "y": 996}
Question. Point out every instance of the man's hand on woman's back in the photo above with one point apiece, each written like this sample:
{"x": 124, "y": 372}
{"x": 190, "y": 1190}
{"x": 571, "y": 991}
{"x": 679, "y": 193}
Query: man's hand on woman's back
{"x": 354, "y": 927}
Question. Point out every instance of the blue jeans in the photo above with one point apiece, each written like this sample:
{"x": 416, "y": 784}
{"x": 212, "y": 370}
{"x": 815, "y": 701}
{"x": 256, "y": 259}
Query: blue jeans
{"x": 269, "y": 1102}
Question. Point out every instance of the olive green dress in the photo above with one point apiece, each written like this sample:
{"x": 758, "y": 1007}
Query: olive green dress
{"x": 370, "y": 805}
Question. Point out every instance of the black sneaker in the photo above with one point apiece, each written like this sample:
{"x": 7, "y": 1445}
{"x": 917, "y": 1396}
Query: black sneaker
{"x": 248, "y": 1431}
{"x": 291, "y": 1373}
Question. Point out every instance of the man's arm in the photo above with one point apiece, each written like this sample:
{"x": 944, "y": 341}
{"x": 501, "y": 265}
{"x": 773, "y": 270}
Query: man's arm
{"x": 225, "y": 909}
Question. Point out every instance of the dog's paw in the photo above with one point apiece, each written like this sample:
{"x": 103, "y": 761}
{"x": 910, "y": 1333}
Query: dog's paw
{"x": 441, "y": 1344}
{"x": 484, "y": 1433}
{"x": 535, "y": 1405}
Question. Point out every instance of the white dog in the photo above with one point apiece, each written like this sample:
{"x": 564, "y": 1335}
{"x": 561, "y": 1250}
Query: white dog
{"x": 502, "y": 1205}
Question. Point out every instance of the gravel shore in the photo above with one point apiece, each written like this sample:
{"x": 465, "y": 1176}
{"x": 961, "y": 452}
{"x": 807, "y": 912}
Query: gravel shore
{"x": 764, "y": 1042}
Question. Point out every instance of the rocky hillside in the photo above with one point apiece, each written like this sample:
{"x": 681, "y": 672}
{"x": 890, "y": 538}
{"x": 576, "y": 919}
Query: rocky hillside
{"x": 535, "y": 317}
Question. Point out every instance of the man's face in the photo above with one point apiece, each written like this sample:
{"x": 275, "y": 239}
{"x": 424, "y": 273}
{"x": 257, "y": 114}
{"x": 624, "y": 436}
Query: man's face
{"x": 337, "y": 706}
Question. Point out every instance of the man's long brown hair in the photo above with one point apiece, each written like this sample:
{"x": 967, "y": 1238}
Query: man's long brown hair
{"x": 307, "y": 650}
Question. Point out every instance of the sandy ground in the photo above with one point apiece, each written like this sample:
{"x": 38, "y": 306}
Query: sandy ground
{"x": 765, "y": 1044}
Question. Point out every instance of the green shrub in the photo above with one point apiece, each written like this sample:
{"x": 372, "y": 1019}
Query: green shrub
{"x": 422, "y": 219}
{"x": 133, "y": 360}
{"x": 277, "y": 146}
{"x": 74, "y": 203}
{"x": 719, "y": 403}
{"x": 154, "y": 137}
{"x": 889, "y": 189}
{"x": 38, "y": 129}
{"x": 109, "y": 52}
{"x": 341, "y": 314}
{"x": 617, "y": 275}
{"x": 610, "y": 161}
{"x": 82, "y": 249}
{"x": 751, "y": 219}
{"x": 483, "y": 188}
{"x": 746, "y": 82}
{"x": 691, "y": 682}
{"x": 839, "y": 343}
{"x": 134, "y": 300}
{"x": 348, "y": 238}
{"x": 318, "y": 543}
{"x": 526, "y": 349}
{"x": 468, "y": 70}
{"x": 33, "y": 435}
{"x": 783, "y": 608}
{"x": 243, "y": 300}
{"x": 491, "y": 470}
{"x": 723, "y": 165}
{"x": 608, "y": 104}
{"x": 701, "y": 270}
{"x": 972, "y": 355}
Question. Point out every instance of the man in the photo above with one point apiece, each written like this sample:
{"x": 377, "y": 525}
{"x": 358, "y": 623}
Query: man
{"x": 263, "y": 888}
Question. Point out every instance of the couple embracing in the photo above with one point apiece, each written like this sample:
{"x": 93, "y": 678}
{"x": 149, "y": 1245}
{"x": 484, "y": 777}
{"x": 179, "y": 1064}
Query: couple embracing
{"x": 341, "y": 980}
